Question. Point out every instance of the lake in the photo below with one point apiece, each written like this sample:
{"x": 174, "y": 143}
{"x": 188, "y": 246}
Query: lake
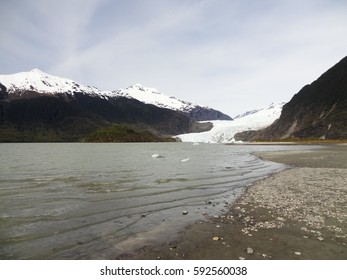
{"x": 98, "y": 201}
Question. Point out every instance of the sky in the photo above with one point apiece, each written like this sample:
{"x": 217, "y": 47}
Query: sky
{"x": 231, "y": 55}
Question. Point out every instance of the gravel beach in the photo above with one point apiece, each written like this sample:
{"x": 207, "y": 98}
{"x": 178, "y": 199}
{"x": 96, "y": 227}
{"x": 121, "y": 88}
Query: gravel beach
{"x": 299, "y": 213}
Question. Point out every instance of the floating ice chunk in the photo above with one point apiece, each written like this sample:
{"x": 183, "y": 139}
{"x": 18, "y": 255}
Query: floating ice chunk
{"x": 157, "y": 156}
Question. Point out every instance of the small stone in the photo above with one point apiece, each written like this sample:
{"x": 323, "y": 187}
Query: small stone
{"x": 216, "y": 238}
{"x": 241, "y": 258}
{"x": 320, "y": 238}
{"x": 185, "y": 212}
{"x": 264, "y": 256}
{"x": 298, "y": 253}
{"x": 305, "y": 237}
{"x": 250, "y": 251}
{"x": 217, "y": 226}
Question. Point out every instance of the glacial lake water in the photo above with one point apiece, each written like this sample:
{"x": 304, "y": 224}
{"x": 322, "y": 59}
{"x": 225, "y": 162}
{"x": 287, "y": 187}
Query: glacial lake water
{"x": 99, "y": 201}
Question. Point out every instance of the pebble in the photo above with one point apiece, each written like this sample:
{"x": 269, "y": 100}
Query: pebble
{"x": 185, "y": 212}
{"x": 216, "y": 238}
{"x": 320, "y": 238}
{"x": 298, "y": 253}
{"x": 250, "y": 251}
{"x": 241, "y": 258}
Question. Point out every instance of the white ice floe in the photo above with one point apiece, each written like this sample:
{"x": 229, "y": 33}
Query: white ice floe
{"x": 157, "y": 156}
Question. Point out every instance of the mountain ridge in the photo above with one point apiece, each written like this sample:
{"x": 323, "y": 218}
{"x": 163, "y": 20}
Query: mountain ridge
{"x": 318, "y": 110}
{"x": 38, "y": 107}
{"x": 25, "y": 83}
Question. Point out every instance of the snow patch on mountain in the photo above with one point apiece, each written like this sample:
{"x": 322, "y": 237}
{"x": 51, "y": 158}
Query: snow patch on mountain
{"x": 224, "y": 131}
{"x": 154, "y": 97}
{"x": 38, "y": 81}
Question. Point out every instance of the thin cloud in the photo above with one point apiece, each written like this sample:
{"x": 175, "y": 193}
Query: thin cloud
{"x": 231, "y": 55}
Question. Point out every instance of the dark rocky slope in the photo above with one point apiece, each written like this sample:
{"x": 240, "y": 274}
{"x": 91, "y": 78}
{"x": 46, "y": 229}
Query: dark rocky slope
{"x": 39, "y": 117}
{"x": 318, "y": 110}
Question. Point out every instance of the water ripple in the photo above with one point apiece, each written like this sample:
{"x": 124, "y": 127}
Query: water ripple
{"x": 84, "y": 200}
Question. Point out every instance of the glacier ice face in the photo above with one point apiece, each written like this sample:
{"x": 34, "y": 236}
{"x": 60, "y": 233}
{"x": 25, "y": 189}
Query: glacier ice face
{"x": 224, "y": 131}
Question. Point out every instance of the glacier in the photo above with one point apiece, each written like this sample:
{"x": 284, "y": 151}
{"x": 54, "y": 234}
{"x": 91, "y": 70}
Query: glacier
{"x": 223, "y": 131}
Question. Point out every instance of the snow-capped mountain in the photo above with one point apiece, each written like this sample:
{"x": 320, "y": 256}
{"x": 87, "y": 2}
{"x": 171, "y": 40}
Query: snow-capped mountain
{"x": 154, "y": 97}
{"x": 38, "y": 81}
{"x": 224, "y": 131}
{"x": 24, "y": 83}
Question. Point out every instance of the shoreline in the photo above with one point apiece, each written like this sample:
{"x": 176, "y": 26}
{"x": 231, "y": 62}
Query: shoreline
{"x": 298, "y": 213}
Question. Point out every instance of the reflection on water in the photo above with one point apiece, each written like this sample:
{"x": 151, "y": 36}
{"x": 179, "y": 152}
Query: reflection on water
{"x": 91, "y": 201}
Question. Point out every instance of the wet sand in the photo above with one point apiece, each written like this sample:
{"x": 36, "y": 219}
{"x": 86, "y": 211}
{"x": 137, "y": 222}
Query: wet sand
{"x": 299, "y": 213}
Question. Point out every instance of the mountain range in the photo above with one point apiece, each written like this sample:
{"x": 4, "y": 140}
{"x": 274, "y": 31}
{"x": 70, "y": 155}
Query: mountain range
{"x": 35, "y": 81}
{"x": 36, "y": 106}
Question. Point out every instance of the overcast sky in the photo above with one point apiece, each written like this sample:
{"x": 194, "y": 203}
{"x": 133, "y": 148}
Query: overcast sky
{"x": 232, "y": 55}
